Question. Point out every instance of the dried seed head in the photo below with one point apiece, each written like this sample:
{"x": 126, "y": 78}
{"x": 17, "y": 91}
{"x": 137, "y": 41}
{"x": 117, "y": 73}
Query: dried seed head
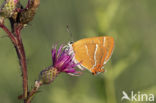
{"x": 27, "y": 14}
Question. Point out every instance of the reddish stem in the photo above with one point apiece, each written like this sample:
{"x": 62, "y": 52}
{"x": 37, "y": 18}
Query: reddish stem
{"x": 17, "y": 41}
{"x": 22, "y": 59}
{"x": 11, "y": 36}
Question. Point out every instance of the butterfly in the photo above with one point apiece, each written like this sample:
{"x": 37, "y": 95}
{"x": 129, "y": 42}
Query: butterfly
{"x": 92, "y": 53}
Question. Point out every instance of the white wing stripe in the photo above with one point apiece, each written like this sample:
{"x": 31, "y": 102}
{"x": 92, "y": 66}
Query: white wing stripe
{"x": 104, "y": 40}
{"x": 95, "y": 56}
{"x": 86, "y": 49}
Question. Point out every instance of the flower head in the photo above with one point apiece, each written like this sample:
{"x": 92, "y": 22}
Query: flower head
{"x": 62, "y": 62}
{"x": 28, "y": 13}
{"x": 8, "y": 8}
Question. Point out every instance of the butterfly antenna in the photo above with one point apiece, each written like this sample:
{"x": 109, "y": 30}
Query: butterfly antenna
{"x": 70, "y": 33}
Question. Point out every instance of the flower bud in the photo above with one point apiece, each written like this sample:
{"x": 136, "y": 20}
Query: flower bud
{"x": 8, "y": 8}
{"x": 27, "y": 14}
{"x": 48, "y": 75}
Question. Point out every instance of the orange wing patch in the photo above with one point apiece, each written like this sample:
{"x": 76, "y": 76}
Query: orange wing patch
{"x": 94, "y": 52}
{"x": 108, "y": 43}
{"x": 83, "y": 55}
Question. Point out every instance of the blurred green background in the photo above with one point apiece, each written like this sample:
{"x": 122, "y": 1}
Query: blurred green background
{"x": 132, "y": 67}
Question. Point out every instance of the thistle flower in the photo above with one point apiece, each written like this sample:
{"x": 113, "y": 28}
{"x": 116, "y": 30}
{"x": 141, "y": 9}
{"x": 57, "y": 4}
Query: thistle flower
{"x": 62, "y": 62}
{"x": 8, "y": 8}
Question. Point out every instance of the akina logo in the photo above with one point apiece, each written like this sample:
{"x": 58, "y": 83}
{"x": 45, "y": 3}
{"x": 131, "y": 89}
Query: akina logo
{"x": 140, "y": 97}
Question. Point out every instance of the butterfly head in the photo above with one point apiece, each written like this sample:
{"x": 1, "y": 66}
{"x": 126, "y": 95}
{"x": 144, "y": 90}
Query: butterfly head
{"x": 71, "y": 42}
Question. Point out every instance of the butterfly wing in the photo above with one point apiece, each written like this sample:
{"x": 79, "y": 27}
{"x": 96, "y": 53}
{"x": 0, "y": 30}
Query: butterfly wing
{"x": 106, "y": 41}
{"x": 90, "y": 55}
{"x": 83, "y": 56}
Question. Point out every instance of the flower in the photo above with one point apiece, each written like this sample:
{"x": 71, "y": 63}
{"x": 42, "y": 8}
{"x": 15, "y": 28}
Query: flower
{"x": 8, "y": 8}
{"x": 62, "y": 62}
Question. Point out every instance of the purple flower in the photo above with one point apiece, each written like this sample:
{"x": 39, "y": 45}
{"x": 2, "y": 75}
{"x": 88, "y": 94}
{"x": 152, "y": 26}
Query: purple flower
{"x": 62, "y": 62}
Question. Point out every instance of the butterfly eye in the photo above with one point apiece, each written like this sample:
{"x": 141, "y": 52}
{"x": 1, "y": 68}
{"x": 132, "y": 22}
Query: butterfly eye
{"x": 71, "y": 42}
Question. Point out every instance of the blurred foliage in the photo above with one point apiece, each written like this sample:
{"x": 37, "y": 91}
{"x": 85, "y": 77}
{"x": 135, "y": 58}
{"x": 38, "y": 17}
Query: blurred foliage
{"x": 132, "y": 67}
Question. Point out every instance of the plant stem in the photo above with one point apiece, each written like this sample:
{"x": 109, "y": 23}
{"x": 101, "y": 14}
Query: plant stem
{"x": 10, "y": 35}
{"x": 22, "y": 59}
{"x": 18, "y": 44}
{"x": 110, "y": 90}
{"x": 110, "y": 87}
{"x": 33, "y": 91}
